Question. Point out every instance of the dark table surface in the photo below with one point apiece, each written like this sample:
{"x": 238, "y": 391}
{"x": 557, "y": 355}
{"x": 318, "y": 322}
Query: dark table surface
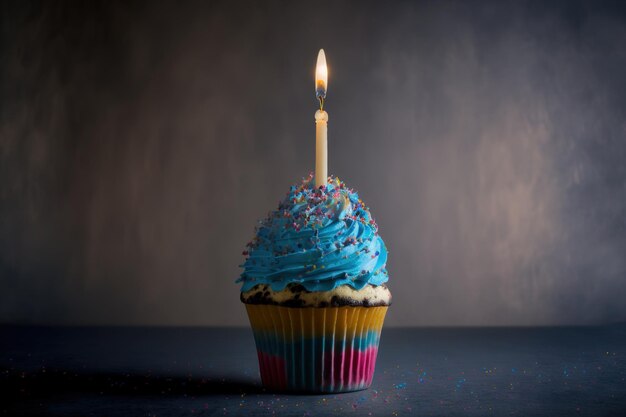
{"x": 108, "y": 371}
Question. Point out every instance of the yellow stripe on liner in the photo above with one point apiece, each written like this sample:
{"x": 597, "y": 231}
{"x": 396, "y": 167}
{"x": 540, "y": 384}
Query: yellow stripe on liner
{"x": 297, "y": 322}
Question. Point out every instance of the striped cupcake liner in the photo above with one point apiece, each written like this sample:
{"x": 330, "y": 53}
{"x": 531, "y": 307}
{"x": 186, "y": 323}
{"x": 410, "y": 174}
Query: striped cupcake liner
{"x": 330, "y": 349}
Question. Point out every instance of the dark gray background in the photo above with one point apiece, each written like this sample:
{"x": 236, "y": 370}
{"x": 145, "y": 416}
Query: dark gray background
{"x": 140, "y": 143}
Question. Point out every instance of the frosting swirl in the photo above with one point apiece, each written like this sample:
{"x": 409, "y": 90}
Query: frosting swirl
{"x": 320, "y": 238}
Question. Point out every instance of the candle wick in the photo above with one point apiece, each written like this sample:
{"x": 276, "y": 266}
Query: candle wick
{"x": 321, "y": 99}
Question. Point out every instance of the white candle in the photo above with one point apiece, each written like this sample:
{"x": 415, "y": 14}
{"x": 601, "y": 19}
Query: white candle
{"x": 321, "y": 147}
{"x": 321, "y": 122}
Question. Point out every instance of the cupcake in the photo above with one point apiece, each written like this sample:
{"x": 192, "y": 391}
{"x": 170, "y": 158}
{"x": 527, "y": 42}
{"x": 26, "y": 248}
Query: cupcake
{"x": 313, "y": 284}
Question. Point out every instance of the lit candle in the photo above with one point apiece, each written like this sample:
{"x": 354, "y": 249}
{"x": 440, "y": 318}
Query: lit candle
{"x": 321, "y": 122}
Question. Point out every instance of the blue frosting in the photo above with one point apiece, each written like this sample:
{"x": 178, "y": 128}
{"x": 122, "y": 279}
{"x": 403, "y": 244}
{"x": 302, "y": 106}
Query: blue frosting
{"x": 320, "y": 238}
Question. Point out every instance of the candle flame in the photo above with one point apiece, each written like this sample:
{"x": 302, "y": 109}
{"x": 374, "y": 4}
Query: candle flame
{"x": 321, "y": 76}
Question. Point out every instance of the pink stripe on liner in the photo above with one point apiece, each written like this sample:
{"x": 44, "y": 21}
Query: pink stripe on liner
{"x": 273, "y": 371}
{"x": 358, "y": 375}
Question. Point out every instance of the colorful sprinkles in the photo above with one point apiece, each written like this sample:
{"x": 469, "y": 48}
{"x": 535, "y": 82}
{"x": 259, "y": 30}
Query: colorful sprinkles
{"x": 320, "y": 237}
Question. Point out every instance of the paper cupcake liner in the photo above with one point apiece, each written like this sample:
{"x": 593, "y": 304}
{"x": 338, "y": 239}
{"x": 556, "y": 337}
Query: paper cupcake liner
{"x": 330, "y": 349}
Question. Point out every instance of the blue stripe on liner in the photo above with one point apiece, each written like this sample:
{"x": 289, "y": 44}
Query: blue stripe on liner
{"x": 276, "y": 344}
